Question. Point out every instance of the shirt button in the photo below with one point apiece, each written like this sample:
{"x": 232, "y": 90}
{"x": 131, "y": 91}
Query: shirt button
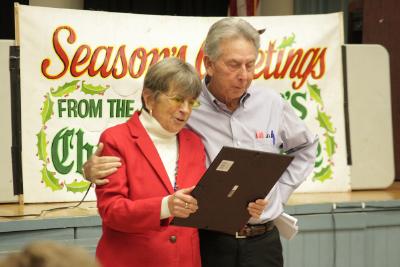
{"x": 238, "y": 143}
{"x": 172, "y": 239}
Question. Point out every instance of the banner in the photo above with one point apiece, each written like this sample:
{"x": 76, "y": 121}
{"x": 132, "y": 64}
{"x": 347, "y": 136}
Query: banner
{"x": 82, "y": 71}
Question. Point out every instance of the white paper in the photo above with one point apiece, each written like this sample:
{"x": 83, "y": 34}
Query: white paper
{"x": 287, "y": 226}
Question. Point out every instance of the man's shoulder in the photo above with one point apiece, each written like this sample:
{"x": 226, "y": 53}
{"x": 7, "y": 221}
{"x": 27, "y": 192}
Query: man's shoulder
{"x": 265, "y": 96}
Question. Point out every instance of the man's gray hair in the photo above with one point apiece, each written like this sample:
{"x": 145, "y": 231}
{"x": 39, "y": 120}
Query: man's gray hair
{"x": 173, "y": 72}
{"x": 229, "y": 28}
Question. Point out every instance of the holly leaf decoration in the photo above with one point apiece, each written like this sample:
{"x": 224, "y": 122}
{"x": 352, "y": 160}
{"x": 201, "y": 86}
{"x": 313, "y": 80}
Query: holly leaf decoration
{"x": 324, "y": 174}
{"x": 286, "y": 95}
{"x": 319, "y": 149}
{"x": 325, "y": 121}
{"x": 318, "y": 163}
{"x": 77, "y": 187}
{"x": 50, "y": 180}
{"x": 90, "y": 89}
{"x": 42, "y": 145}
{"x": 319, "y": 159}
{"x": 47, "y": 109}
{"x": 65, "y": 89}
{"x": 287, "y": 41}
{"x": 315, "y": 93}
{"x": 330, "y": 145}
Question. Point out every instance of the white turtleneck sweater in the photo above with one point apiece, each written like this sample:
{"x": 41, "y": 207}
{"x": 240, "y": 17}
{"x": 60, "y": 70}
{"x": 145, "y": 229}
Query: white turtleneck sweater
{"x": 167, "y": 147}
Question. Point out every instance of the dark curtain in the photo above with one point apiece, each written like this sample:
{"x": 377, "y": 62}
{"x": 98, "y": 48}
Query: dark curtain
{"x": 162, "y": 7}
{"x": 7, "y": 30}
{"x": 305, "y": 7}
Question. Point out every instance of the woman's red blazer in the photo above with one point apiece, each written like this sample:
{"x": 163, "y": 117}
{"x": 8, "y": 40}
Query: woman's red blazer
{"x": 130, "y": 204}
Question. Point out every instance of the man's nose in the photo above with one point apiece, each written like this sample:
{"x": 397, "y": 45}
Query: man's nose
{"x": 242, "y": 72}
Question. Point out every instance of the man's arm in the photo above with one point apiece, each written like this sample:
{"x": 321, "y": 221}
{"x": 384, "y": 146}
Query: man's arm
{"x": 97, "y": 167}
{"x": 299, "y": 142}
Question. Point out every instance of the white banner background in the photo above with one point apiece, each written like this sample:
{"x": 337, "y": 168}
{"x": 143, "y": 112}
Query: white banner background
{"x": 320, "y": 102}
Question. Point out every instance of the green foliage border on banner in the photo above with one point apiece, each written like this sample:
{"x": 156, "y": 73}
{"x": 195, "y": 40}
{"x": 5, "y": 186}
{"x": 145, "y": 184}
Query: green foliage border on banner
{"x": 322, "y": 168}
{"x": 48, "y": 177}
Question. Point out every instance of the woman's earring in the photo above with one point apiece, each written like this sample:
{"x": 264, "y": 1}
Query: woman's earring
{"x": 151, "y": 112}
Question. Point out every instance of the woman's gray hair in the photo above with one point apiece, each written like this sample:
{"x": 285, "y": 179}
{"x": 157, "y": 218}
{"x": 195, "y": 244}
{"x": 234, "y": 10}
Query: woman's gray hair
{"x": 173, "y": 72}
{"x": 229, "y": 28}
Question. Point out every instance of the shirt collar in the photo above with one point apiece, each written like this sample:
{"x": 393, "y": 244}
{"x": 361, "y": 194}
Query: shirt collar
{"x": 218, "y": 104}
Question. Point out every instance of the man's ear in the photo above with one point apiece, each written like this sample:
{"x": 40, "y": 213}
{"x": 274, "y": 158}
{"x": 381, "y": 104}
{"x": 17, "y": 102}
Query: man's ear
{"x": 148, "y": 98}
{"x": 209, "y": 65}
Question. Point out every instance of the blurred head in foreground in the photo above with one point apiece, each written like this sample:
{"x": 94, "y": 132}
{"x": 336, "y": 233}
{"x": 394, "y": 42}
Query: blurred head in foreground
{"x": 49, "y": 254}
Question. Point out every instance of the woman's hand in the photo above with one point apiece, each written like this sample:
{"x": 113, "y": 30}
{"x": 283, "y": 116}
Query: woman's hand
{"x": 181, "y": 204}
{"x": 256, "y": 208}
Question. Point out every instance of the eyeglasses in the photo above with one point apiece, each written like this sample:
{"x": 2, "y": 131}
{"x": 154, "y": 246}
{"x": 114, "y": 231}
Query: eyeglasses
{"x": 180, "y": 100}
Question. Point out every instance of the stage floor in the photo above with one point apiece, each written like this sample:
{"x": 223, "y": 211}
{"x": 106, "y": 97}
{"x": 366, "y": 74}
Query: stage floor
{"x": 21, "y": 212}
{"x": 391, "y": 193}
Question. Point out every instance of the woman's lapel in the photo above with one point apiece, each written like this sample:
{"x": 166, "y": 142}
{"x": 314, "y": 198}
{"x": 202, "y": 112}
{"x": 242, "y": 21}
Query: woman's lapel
{"x": 148, "y": 149}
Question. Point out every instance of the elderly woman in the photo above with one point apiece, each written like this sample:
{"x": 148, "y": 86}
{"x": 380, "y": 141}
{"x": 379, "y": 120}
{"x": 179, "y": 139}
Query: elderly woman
{"x": 160, "y": 164}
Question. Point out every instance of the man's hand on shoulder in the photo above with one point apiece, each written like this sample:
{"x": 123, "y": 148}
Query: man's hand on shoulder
{"x": 97, "y": 167}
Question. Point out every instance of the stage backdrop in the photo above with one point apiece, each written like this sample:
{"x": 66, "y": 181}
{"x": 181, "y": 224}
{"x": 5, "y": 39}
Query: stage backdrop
{"x": 82, "y": 71}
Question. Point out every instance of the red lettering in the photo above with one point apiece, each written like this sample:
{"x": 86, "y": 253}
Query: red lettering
{"x": 199, "y": 65}
{"x": 294, "y": 55}
{"x": 309, "y": 65}
{"x": 270, "y": 53}
{"x": 277, "y": 75}
{"x": 156, "y": 55}
{"x": 299, "y": 64}
{"x": 120, "y": 57}
{"x": 78, "y": 61}
{"x": 321, "y": 60}
{"x": 181, "y": 52}
{"x": 103, "y": 68}
{"x": 259, "y": 64}
{"x": 60, "y": 53}
{"x": 83, "y": 61}
{"x": 141, "y": 54}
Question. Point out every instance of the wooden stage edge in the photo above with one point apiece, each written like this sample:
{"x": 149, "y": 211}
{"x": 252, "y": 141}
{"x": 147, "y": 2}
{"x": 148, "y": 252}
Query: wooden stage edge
{"x": 22, "y": 212}
{"x": 389, "y": 194}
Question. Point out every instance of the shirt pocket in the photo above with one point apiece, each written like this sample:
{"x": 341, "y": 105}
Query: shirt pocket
{"x": 264, "y": 145}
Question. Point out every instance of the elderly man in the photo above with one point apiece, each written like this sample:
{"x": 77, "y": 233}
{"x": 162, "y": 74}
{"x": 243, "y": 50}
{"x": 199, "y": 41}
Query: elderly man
{"x": 233, "y": 113}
